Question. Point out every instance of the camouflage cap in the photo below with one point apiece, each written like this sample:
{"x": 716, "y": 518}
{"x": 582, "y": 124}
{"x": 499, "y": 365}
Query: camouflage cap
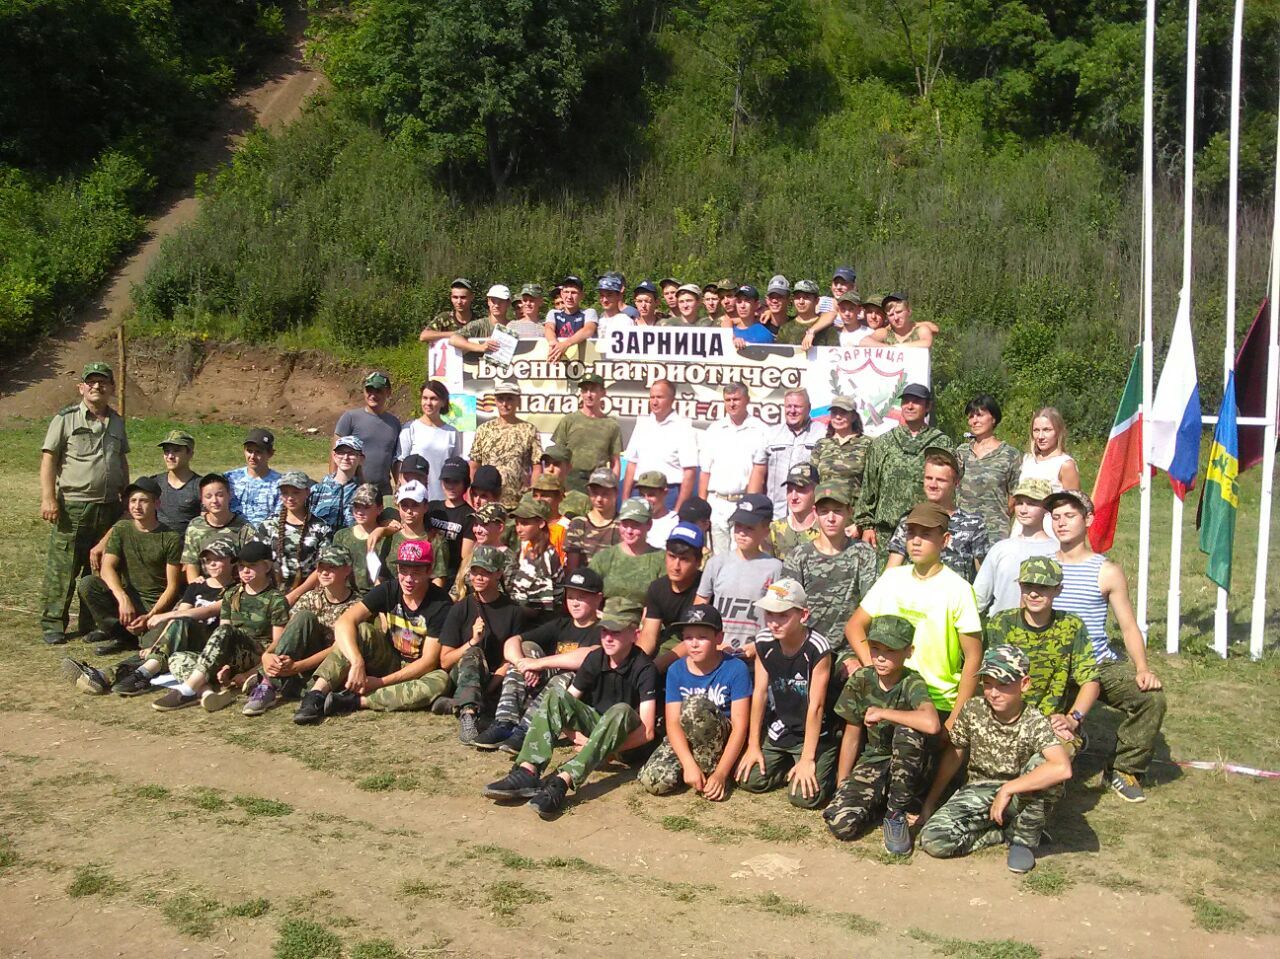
{"x": 838, "y": 492}
{"x": 1033, "y": 489}
{"x": 533, "y": 290}
{"x": 491, "y": 513}
{"x": 603, "y": 477}
{"x": 849, "y": 297}
{"x": 221, "y": 548}
{"x": 366, "y": 494}
{"x": 1005, "y": 664}
{"x": 548, "y": 483}
{"x": 846, "y": 403}
{"x": 928, "y": 515}
{"x": 97, "y": 368}
{"x": 461, "y": 282}
{"x": 692, "y": 288}
{"x": 652, "y": 479}
{"x": 488, "y": 558}
{"x": 727, "y": 286}
{"x": 805, "y": 286}
{"x": 941, "y": 452}
{"x": 506, "y": 388}
{"x": 415, "y": 552}
{"x": 332, "y": 555}
{"x": 1079, "y": 497}
{"x": 296, "y": 478}
{"x": 782, "y": 595}
{"x": 557, "y": 454}
{"x": 377, "y": 380}
{"x": 802, "y": 474}
{"x": 351, "y": 442}
{"x": 1040, "y": 571}
{"x": 620, "y": 613}
{"x": 178, "y": 438}
{"x": 530, "y": 508}
{"x": 636, "y": 511}
{"x": 590, "y": 377}
{"x": 891, "y": 632}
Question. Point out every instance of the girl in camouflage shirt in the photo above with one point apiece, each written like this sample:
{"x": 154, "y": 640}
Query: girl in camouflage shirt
{"x": 295, "y": 536}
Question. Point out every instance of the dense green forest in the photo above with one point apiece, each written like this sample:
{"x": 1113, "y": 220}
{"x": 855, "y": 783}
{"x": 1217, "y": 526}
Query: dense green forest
{"x": 98, "y": 99}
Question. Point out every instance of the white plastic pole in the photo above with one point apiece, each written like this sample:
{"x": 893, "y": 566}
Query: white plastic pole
{"x": 1148, "y": 347}
{"x": 1173, "y": 610}
{"x": 1257, "y": 620}
{"x": 1229, "y": 353}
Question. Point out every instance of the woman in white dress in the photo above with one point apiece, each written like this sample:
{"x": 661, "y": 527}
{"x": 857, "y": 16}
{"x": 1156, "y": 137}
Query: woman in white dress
{"x": 430, "y": 436}
{"x": 1048, "y": 459}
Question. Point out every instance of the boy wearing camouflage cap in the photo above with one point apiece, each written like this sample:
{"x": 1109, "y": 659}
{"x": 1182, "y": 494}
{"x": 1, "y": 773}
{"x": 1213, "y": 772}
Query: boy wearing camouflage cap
{"x": 556, "y": 465}
{"x": 366, "y": 510}
{"x": 179, "y": 485}
{"x": 628, "y": 567}
{"x": 598, "y": 529}
{"x": 997, "y": 583}
{"x": 889, "y": 706}
{"x": 1014, "y": 757}
{"x": 534, "y": 578}
{"x": 804, "y": 297}
{"x": 612, "y": 701}
{"x": 800, "y": 525}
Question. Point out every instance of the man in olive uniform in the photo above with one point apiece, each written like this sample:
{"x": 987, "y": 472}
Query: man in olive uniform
{"x": 593, "y": 438}
{"x": 447, "y": 322}
{"x": 83, "y": 469}
{"x": 894, "y": 475}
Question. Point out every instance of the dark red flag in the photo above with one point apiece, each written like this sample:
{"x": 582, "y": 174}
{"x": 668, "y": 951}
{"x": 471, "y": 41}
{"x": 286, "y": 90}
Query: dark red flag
{"x": 1251, "y": 385}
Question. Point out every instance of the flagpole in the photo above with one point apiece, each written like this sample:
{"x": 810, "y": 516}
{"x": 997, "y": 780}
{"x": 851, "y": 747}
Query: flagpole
{"x": 1257, "y": 621}
{"x": 1148, "y": 347}
{"x": 1229, "y": 353}
{"x": 1173, "y": 610}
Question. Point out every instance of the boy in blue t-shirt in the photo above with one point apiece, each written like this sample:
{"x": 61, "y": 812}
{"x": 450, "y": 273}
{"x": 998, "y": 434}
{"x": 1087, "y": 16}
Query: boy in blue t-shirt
{"x": 707, "y": 712}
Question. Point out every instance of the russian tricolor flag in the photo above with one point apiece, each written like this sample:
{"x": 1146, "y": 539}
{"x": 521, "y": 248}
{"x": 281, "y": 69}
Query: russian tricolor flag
{"x": 1174, "y": 423}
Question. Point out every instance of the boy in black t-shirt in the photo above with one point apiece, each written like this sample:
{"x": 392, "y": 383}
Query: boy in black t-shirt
{"x": 611, "y": 706}
{"x": 788, "y": 703}
{"x": 545, "y": 655}
{"x": 452, "y": 516}
{"x": 472, "y": 641}
{"x": 398, "y": 669}
{"x": 670, "y": 597}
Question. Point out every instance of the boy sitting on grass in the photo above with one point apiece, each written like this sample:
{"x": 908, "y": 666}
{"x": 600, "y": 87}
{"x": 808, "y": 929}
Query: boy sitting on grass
{"x": 1014, "y": 757}
{"x": 610, "y": 707}
{"x": 890, "y": 704}
{"x": 788, "y": 704}
{"x": 708, "y": 707}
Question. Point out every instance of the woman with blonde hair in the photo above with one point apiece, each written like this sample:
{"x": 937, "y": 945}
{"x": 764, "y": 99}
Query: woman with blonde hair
{"x": 1047, "y": 457}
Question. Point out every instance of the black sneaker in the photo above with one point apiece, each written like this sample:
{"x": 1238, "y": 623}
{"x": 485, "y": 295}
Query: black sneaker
{"x": 514, "y": 743}
{"x": 468, "y": 729}
{"x": 341, "y": 702}
{"x": 135, "y": 684}
{"x": 494, "y": 736}
{"x": 87, "y": 679}
{"x": 1126, "y": 786}
{"x": 550, "y": 799}
{"x": 517, "y": 784}
{"x": 311, "y": 710}
{"x": 96, "y": 636}
{"x": 897, "y": 837}
{"x": 1021, "y": 858}
{"x": 443, "y": 706}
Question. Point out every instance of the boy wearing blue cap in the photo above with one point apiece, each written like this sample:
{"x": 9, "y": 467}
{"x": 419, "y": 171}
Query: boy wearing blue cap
{"x": 670, "y": 597}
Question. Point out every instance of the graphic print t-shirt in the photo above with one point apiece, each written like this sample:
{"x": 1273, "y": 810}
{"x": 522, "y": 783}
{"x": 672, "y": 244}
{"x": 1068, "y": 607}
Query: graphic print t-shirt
{"x": 789, "y": 682}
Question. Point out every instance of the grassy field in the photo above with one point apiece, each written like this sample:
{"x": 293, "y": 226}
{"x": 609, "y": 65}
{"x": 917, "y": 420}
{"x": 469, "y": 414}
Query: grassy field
{"x": 202, "y": 834}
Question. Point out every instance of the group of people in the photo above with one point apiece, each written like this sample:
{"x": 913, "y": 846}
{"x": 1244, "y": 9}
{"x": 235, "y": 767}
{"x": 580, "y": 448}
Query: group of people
{"x": 900, "y": 630}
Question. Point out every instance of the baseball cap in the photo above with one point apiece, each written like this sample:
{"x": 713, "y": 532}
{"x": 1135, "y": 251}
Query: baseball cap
{"x": 143, "y": 484}
{"x": 1040, "y": 571}
{"x": 487, "y": 478}
{"x": 532, "y": 289}
{"x": 778, "y": 284}
{"x": 461, "y": 282}
{"x": 254, "y": 552}
{"x": 585, "y": 579}
{"x": 652, "y": 479}
{"x": 845, "y": 273}
{"x": 590, "y": 377}
{"x": 754, "y": 508}
{"x": 366, "y": 494}
{"x": 377, "y": 380}
{"x": 802, "y": 474}
{"x": 455, "y": 469}
{"x": 688, "y": 534}
{"x": 220, "y": 548}
{"x": 549, "y": 483}
{"x": 635, "y": 510}
{"x": 610, "y": 283}
{"x": 412, "y": 490}
{"x": 846, "y": 403}
{"x": 97, "y": 368}
{"x": 353, "y": 443}
{"x": 838, "y": 492}
{"x": 918, "y": 390}
{"x": 530, "y": 508}
{"x": 506, "y": 388}
{"x": 332, "y": 555}
{"x": 695, "y": 510}
{"x": 948, "y": 455}
{"x": 645, "y": 286}
{"x": 488, "y": 558}
{"x": 703, "y": 614}
{"x": 557, "y": 454}
{"x": 415, "y": 463}
{"x": 417, "y": 552}
{"x": 499, "y": 291}
{"x": 667, "y": 281}
{"x": 1034, "y": 489}
{"x": 1005, "y": 663}
{"x": 620, "y": 613}
{"x": 805, "y": 286}
{"x": 928, "y": 515}
{"x": 890, "y": 297}
{"x": 571, "y": 280}
{"x": 748, "y": 291}
{"x": 726, "y": 286}
{"x": 849, "y": 297}
{"x": 782, "y": 595}
{"x": 690, "y": 288}
{"x": 490, "y": 513}
{"x": 296, "y": 478}
{"x": 178, "y": 438}
{"x": 1079, "y": 497}
{"x": 603, "y": 477}
{"x": 892, "y": 632}
{"x": 260, "y": 437}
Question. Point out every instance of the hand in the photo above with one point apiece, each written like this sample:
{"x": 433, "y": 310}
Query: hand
{"x": 714, "y": 787}
{"x": 49, "y": 510}
{"x": 490, "y": 345}
{"x": 356, "y": 677}
{"x": 1064, "y": 726}
{"x": 807, "y": 342}
{"x": 95, "y": 558}
{"x": 869, "y": 536}
{"x": 555, "y": 351}
{"x": 477, "y": 631}
{"x": 128, "y": 612}
{"x": 872, "y": 716}
{"x": 850, "y": 666}
{"x": 950, "y": 723}
{"x": 1147, "y": 681}
{"x": 739, "y": 343}
{"x": 138, "y": 625}
{"x": 579, "y": 740}
{"x": 998, "y": 806}
{"x": 271, "y": 664}
{"x": 752, "y": 757}
{"x": 527, "y": 665}
{"x": 803, "y": 777}
{"x": 393, "y": 527}
{"x": 372, "y": 683}
{"x": 693, "y": 777}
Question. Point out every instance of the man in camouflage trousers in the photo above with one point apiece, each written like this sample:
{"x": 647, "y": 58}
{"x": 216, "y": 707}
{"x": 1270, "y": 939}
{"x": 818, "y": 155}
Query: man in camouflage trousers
{"x": 970, "y": 540}
{"x": 895, "y": 468}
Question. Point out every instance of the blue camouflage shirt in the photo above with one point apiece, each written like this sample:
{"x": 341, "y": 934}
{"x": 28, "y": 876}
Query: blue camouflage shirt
{"x": 255, "y": 498}
{"x": 330, "y": 502}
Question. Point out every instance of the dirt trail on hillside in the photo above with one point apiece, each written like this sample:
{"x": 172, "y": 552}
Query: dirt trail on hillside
{"x": 37, "y": 384}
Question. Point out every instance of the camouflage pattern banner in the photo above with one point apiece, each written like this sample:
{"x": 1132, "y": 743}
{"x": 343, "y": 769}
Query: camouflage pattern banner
{"x": 873, "y": 376}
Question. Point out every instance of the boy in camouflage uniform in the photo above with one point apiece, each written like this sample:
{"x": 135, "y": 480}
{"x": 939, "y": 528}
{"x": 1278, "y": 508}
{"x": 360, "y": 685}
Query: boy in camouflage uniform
{"x": 555, "y": 464}
{"x": 612, "y": 701}
{"x": 598, "y": 528}
{"x": 216, "y": 522}
{"x": 890, "y": 705}
{"x": 1014, "y": 757}
{"x": 707, "y": 712}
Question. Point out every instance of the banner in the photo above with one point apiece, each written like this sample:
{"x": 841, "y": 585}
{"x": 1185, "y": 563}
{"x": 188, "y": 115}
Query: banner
{"x": 699, "y": 363}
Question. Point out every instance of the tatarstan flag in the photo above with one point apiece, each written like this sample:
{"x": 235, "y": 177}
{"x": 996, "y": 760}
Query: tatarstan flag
{"x": 1121, "y": 467}
{"x": 1220, "y": 497}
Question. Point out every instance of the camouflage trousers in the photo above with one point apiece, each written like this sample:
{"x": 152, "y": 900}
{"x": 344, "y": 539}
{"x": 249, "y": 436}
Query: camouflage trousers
{"x": 381, "y": 659}
{"x": 1143, "y": 716}
{"x": 516, "y": 693}
{"x": 560, "y": 712}
{"x": 964, "y": 823}
{"x": 707, "y": 730}
{"x": 227, "y": 646}
{"x": 96, "y": 597}
{"x": 470, "y": 676}
{"x": 778, "y": 762}
{"x": 186, "y": 636}
{"x": 79, "y": 528}
{"x": 888, "y": 785}
{"x": 303, "y": 636}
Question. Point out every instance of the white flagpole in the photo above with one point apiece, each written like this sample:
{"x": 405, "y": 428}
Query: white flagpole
{"x": 1148, "y": 347}
{"x": 1173, "y": 611}
{"x": 1229, "y": 353}
{"x": 1257, "y": 620}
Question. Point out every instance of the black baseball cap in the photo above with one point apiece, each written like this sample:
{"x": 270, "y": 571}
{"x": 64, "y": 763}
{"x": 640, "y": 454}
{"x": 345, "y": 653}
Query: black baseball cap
{"x": 703, "y": 614}
{"x": 455, "y": 468}
{"x": 260, "y": 437}
{"x": 487, "y": 479}
{"x": 254, "y": 552}
{"x": 753, "y": 509}
{"x": 143, "y": 484}
{"x": 695, "y": 510}
{"x": 918, "y": 390}
{"x": 571, "y": 280}
{"x": 585, "y": 579}
{"x": 415, "y": 463}
{"x": 747, "y": 291}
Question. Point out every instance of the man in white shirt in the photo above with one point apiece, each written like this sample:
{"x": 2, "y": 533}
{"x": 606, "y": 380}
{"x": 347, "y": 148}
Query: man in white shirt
{"x": 666, "y": 442}
{"x": 728, "y": 451}
{"x": 788, "y": 444}
{"x": 611, "y": 315}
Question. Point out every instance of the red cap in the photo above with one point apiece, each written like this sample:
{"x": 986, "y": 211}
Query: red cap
{"x": 415, "y": 552}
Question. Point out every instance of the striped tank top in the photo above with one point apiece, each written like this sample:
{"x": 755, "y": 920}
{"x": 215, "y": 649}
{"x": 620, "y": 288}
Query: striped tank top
{"x": 1080, "y": 595}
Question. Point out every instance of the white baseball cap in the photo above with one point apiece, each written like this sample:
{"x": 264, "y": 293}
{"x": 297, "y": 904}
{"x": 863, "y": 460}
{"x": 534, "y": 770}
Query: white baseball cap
{"x": 411, "y": 490}
{"x": 499, "y": 292}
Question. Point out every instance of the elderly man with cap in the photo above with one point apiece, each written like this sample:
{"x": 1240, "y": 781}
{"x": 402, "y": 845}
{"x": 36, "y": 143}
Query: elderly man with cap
{"x": 902, "y": 330}
{"x": 477, "y": 336}
{"x": 331, "y": 498}
{"x": 804, "y": 296}
{"x": 747, "y": 329}
{"x": 787, "y": 445}
{"x": 663, "y": 442}
{"x": 141, "y": 573}
{"x": 376, "y": 428}
{"x": 997, "y": 582}
{"x": 510, "y": 444}
{"x": 727, "y": 454}
{"x": 255, "y": 487}
{"x": 894, "y": 474}
{"x": 594, "y": 439}
{"x": 570, "y": 325}
{"x": 84, "y": 466}
{"x": 969, "y": 542}
{"x": 444, "y": 324}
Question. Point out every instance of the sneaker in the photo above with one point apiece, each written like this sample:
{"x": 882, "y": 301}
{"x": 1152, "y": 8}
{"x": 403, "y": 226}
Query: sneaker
{"x": 174, "y": 699}
{"x": 517, "y": 784}
{"x": 261, "y": 698}
{"x": 341, "y": 702}
{"x": 1125, "y": 785}
{"x": 311, "y": 710}
{"x": 216, "y": 699}
{"x": 123, "y": 671}
{"x": 250, "y": 684}
{"x": 468, "y": 730}
{"x": 54, "y": 639}
{"x": 513, "y": 743}
{"x": 494, "y": 736}
{"x": 550, "y": 798}
{"x": 87, "y": 679}
{"x": 1021, "y": 858}
{"x": 443, "y": 706}
{"x": 135, "y": 684}
{"x": 897, "y": 837}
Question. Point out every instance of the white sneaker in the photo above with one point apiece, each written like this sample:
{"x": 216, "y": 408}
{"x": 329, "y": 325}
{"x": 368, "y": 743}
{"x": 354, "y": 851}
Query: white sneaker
{"x": 213, "y": 700}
